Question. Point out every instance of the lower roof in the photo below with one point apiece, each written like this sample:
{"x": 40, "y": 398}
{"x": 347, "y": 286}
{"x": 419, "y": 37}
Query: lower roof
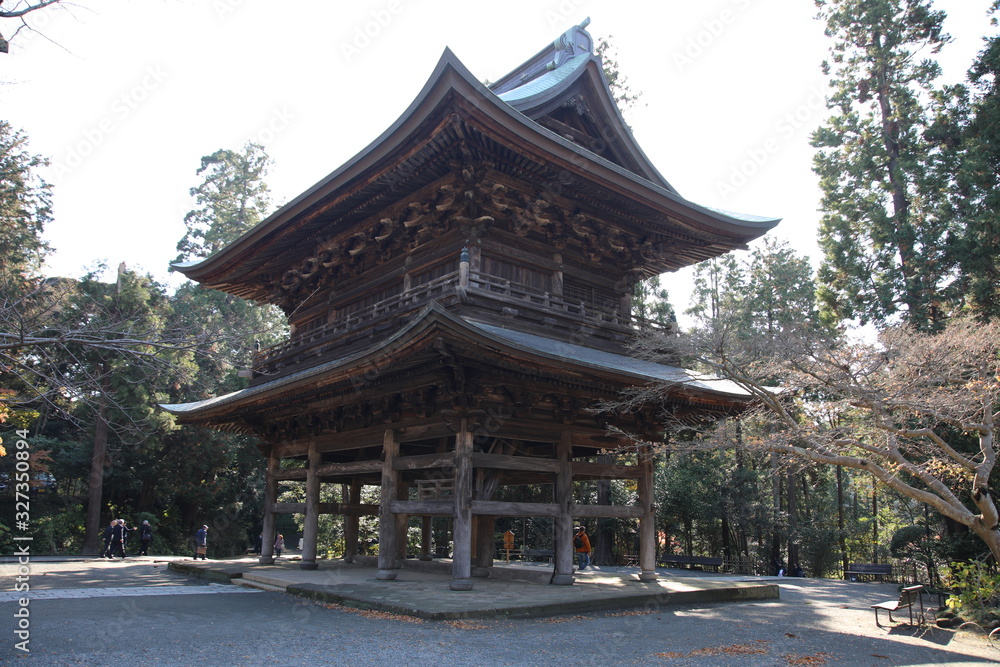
{"x": 620, "y": 368}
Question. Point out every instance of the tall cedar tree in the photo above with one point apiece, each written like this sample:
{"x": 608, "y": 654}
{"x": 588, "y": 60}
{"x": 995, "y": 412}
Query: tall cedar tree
{"x": 25, "y": 208}
{"x": 978, "y": 245}
{"x": 232, "y": 198}
{"x": 882, "y": 239}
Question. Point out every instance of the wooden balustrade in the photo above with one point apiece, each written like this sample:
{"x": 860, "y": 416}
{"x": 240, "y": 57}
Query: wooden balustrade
{"x": 319, "y": 340}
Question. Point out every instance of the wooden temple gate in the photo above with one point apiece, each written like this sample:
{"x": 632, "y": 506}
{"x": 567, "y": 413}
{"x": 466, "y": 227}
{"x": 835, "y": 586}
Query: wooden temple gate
{"x": 459, "y": 298}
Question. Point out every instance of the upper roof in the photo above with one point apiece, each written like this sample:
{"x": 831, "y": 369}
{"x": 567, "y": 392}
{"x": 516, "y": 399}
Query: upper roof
{"x": 568, "y": 72}
{"x": 454, "y": 107}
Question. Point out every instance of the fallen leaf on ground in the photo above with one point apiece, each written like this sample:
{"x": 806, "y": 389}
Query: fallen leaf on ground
{"x": 807, "y": 660}
{"x": 467, "y": 625}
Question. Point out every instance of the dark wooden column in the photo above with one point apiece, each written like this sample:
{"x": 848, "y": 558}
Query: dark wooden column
{"x": 310, "y": 528}
{"x": 461, "y": 567}
{"x": 647, "y": 523}
{"x": 402, "y": 521}
{"x": 485, "y": 543}
{"x": 562, "y": 537}
{"x": 387, "y": 530}
{"x": 425, "y": 538}
{"x": 352, "y": 521}
{"x": 270, "y": 497}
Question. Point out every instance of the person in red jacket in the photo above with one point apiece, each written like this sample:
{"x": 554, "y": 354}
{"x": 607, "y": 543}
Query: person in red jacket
{"x": 582, "y": 545}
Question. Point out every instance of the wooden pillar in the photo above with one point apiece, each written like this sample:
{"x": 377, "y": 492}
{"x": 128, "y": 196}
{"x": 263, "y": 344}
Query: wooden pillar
{"x": 402, "y": 522}
{"x": 485, "y": 543}
{"x": 562, "y": 538}
{"x": 425, "y": 538}
{"x": 310, "y": 527}
{"x": 352, "y": 522}
{"x": 647, "y": 523}
{"x": 387, "y": 531}
{"x": 270, "y": 497}
{"x": 461, "y": 566}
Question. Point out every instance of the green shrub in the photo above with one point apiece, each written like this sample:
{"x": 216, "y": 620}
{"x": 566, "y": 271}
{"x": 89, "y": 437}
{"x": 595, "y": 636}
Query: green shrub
{"x": 976, "y": 588}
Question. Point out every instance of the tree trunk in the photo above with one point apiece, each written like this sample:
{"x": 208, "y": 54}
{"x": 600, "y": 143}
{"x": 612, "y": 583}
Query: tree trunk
{"x": 95, "y": 490}
{"x": 874, "y": 521}
{"x": 793, "y": 525}
{"x": 841, "y": 530}
{"x": 776, "y": 504}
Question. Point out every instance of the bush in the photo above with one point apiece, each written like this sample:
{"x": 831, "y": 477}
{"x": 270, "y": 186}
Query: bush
{"x": 976, "y": 589}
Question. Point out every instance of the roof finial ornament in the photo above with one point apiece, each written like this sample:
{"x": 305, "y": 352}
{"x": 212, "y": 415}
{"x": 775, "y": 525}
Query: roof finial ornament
{"x": 572, "y": 43}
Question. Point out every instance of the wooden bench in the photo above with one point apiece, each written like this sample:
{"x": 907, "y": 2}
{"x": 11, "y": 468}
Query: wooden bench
{"x": 908, "y": 597}
{"x": 877, "y": 570}
{"x": 630, "y": 560}
{"x": 690, "y": 562}
{"x": 534, "y": 554}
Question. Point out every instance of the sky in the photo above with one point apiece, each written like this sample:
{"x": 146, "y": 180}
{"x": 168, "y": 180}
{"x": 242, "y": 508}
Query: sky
{"x": 125, "y": 97}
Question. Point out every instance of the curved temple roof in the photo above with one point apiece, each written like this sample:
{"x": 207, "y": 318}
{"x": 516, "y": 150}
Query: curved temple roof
{"x": 515, "y": 344}
{"x": 507, "y": 113}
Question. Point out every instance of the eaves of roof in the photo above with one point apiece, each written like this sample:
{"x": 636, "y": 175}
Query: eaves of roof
{"x": 617, "y": 368}
{"x": 450, "y": 75}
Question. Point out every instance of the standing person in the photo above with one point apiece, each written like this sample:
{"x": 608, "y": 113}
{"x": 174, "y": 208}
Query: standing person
{"x": 108, "y": 533}
{"x": 582, "y": 545}
{"x": 279, "y": 544}
{"x": 117, "y": 537}
{"x": 125, "y": 531}
{"x": 145, "y": 537}
{"x": 201, "y": 543}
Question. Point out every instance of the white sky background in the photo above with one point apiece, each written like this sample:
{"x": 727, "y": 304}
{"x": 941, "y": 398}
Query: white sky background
{"x": 126, "y": 97}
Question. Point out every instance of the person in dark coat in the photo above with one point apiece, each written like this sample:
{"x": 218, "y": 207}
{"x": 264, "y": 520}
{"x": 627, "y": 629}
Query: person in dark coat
{"x": 108, "y": 534}
{"x": 125, "y": 533}
{"x": 117, "y": 539}
{"x": 145, "y": 537}
{"x": 201, "y": 543}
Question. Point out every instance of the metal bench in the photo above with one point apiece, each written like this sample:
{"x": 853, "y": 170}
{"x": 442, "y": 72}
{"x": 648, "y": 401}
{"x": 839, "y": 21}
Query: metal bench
{"x": 877, "y": 570}
{"x": 690, "y": 561}
{"x": 909, "y": 596}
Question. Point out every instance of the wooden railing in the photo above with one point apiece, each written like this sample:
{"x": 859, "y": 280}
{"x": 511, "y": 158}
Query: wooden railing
{"x": 322, "y": 338}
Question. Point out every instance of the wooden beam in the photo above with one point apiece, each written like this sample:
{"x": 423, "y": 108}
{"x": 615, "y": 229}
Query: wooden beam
{"x": 606, "y": 511}
{"x": 423, "y": 507}
{"x": 289, "y": 508}
{"x": 425, "y": 461}
{"x": 348, "y": 509}
{"x": 506, "y": 508}
{"x": 586, "y": 470}
{"x": 349, "y": 468}
{"x": 291, "y": 474}
{"x": 500, "y": 462}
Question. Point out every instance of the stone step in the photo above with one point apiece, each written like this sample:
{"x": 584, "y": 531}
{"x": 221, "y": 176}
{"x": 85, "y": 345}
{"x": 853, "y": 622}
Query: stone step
{"x": 250, "y": 583}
